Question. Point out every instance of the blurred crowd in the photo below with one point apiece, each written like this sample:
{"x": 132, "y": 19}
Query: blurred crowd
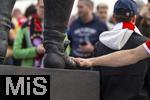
{"x": 26, "y": 39}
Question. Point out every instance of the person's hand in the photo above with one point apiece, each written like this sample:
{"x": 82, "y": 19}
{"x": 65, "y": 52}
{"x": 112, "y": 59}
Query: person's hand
{"x": 40, "y": 49}
{"x": 83, "y": 62}
{"x": 88, "y": 48}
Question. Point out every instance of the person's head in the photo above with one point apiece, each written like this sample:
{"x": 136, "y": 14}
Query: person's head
{"x": 30, "y": 11}
{"x": 147, "y": 14}
{"x": 140, "y": 4}
{"x": 85, "y": 7}
{"x": 40, "y": 9}
{"x": 17, "y": 13}
{"x": 102, "y": 11}
{"x": 125, "y": 11}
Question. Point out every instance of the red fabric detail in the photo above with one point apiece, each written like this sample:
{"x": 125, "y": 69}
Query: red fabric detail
{"x": 21, "y": 21}
{"x": 148, "y": 44}
{"x": 128, "y": 25}
{"x": 37, "y": 23}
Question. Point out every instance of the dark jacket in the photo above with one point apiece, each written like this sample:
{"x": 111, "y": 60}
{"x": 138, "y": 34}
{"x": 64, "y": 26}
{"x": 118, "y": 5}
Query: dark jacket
{"x": 80, "y": 33}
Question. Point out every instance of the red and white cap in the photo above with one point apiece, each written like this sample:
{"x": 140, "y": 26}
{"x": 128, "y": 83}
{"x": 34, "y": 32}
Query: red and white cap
{"x": 147, "y": 46}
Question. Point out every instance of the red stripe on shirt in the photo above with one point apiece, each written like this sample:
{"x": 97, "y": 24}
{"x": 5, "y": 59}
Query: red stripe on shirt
{"x": 128, "y": 25}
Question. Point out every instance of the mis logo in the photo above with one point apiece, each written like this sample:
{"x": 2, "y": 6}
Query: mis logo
{"x": 32, "y": 87}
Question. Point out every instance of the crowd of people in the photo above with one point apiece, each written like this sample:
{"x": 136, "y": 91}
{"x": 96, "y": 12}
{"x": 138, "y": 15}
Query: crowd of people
{"x": 90, "y": 34}
{"x": 25, "y": 37}
{"x": 122, "y": 75}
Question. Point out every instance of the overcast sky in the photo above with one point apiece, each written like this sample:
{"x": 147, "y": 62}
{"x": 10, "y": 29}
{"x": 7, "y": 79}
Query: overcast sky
{"x": 22, "y": 4}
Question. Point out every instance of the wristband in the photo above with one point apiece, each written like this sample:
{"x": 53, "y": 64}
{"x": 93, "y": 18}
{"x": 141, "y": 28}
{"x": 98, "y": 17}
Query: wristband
{"x": 147, "y": 46}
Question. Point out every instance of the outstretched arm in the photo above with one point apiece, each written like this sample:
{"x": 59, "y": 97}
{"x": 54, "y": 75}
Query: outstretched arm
{"x": 117, "y": 59}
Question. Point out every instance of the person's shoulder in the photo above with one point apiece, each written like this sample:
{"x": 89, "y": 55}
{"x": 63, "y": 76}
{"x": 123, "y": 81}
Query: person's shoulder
{"x": 102, "y": 25}
{"x": 99, "y": 22}
{"x": 75, "y": 24}
{"x": 96, "y": 19}
{"x": 25, "y": 24}
{"x": 138, "y": 39}
{"x": 76, "y": 21}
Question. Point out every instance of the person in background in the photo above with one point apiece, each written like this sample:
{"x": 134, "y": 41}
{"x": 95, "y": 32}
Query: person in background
{"x": 28, "y": 43}
{"x": 140, "y": 4}
{"x": 32, "y": 9}
{"x": 18, "y": 19}
{"x": 10, "y": 60}
{"x": 84, "y": 31}
{"x": 102, "y": 13}
{"x": 143, "y": 23}
{"x": 55, "y": 25}
{"x": 128, "y": 81}
{"x": 17, "y": 13}
{"x": 143, "y": 20}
